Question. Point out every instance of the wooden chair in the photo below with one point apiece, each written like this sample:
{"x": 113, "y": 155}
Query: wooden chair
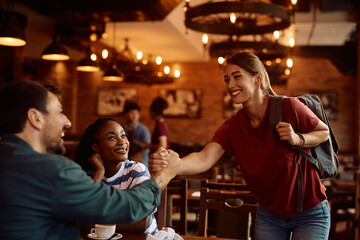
{"x": 353, "y": 214}
{"x": 177, "y": 187}
{"x": 228, "y": 198}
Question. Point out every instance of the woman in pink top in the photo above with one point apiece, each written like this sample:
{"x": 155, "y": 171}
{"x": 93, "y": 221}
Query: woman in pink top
{"x": 264, "y": 156}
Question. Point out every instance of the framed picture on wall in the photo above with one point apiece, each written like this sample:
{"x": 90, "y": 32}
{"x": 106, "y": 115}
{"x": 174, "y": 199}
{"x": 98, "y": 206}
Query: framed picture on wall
{"x": 229, "y": 107}
{"x": 110, "y": 101}
{"x": 329, "y": 100}
{"x": 183, "y": 103}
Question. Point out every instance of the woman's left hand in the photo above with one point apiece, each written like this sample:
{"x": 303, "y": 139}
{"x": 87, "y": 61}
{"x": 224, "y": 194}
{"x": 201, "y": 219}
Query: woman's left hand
{"x": 286, "y": 132}
{"x": 96, "y": 162}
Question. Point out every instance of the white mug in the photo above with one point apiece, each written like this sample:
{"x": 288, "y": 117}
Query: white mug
{"x": 103, "y": 230}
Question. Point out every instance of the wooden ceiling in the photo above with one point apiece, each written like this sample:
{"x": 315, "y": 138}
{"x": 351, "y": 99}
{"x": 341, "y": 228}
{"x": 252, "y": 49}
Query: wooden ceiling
{"x": 77, "y": 19}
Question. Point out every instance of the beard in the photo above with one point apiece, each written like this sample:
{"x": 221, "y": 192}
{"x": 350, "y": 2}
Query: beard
{"x": 56, "y": 148}
{"x": 53, "y": 144}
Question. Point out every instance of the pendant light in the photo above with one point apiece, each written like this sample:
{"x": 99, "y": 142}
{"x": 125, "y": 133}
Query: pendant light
{"x": 12, "y": 28}
{"x": 113, "y": 73}
{"x": 87, "y": 64}
{"x": 55, "y": 51}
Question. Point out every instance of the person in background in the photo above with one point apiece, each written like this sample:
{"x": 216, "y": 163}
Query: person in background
{"x": 160, "y": 134}
{"x": 266, "y": 159}
{"x": 103, "y": 154}
{"x": 137, "y": 133}
{"x": 46, "y": 195}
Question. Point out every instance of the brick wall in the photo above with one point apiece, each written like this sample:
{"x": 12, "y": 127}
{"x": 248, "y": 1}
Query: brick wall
{"x": 308, "y": 74}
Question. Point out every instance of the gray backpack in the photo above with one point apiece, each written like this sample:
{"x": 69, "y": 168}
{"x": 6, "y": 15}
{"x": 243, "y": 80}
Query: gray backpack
{"x": 323, "y": 156}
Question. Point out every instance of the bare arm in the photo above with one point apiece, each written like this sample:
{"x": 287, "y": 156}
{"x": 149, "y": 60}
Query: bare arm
{"x": 193, "y": 163}
{"x": 202, "y": 161}
{"x": 318, "y": 135}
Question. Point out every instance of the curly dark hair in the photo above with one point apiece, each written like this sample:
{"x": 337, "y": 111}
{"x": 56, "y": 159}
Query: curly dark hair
{"x": 84, "y": 150}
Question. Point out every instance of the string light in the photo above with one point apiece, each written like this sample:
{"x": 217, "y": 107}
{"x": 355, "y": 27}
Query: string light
{"x": 221, "y": 60}
{"x": 289, "y": 63}
{"x": 166, "y": 69}
{"x": 233, "y": 18}
{"x": 177, "y": 73}
{"x": 276, "y": 35}
{"x": 105, "y": 53}
{"x": 158, "y": 60}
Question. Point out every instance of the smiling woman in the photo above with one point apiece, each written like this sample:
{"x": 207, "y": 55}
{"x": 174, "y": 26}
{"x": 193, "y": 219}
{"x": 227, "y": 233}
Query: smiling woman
{"x": 103, "y": 153}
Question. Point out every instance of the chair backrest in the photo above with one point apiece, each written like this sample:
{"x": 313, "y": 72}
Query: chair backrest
{"x": 175, "y": 187}
{"x": 228, "y": 198}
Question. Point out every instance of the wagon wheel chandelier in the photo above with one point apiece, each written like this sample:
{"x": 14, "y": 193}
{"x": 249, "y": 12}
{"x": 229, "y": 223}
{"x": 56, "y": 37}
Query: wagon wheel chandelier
{"x": 246, "y": 17}
{"x": 238, "y": 18}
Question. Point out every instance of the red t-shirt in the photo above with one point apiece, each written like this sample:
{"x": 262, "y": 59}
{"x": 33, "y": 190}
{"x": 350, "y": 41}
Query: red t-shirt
{"x": 268, "y": 164}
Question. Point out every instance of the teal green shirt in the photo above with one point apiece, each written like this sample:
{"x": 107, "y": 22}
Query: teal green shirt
{"x": 45, "y": 196}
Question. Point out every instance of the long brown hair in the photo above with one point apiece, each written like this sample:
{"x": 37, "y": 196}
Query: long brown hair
{"x": 252, "y": 64}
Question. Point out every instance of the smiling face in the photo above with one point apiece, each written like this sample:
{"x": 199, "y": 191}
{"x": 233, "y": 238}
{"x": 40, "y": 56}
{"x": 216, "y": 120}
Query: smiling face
{"x": 240, "y": 84}
{"x": 55, "y": 125}
{"x": 112, "y": 143}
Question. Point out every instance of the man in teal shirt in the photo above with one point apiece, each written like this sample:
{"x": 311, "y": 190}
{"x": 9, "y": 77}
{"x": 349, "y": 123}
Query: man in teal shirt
{"x": 45, "y": 195}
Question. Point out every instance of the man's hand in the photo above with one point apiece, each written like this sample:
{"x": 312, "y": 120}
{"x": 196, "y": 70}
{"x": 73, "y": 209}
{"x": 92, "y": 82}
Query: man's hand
{"x": 163, "y": 176}
{"x": 158, "y": 160}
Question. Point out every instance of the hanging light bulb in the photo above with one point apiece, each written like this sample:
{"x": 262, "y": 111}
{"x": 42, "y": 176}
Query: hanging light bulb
{"x": 205, "y": 39}
{"x": 293, "y": 2}
{"x": 139, "y": 55}
{"x": 233, "y": 18}
{"x": 177, "y": 73}
{"x": 221, "y": 60}
{"x": 105, "y": 53}
{"x": 276, "y": 35}
{"x": 158, "y": 60}
{"x": 289, "y": 63}
{"x": 93, "y": 57}
{"x": 166, "y": 69}
{"x": 291, "y": 42}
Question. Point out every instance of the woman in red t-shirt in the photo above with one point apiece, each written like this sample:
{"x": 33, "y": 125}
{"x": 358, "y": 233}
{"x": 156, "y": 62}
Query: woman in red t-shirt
{"x": 264, "y": 156}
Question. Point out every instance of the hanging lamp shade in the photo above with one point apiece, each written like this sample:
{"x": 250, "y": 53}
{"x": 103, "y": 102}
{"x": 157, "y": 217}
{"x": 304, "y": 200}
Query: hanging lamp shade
{"x": 55, "y": 51}
{"x": 12, "y": 28}
{"x": 87, "y": 64}
{"x": 113, "y": 74}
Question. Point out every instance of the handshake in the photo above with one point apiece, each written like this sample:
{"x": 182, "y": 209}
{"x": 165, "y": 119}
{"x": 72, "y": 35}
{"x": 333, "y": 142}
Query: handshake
{"x": 164, "y": 165}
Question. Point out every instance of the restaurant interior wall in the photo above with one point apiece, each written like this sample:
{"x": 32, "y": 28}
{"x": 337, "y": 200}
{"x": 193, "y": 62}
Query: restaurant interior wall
{"x": 80, "y": 91}
{"x": 310, "y": 74}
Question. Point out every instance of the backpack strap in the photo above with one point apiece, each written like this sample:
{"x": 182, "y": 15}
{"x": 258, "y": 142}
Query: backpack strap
{"x": 275, "y": 111}
{"x": 275, "y": 117}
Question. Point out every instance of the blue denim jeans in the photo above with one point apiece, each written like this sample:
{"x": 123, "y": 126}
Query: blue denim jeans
{"x": 313, "y": 224}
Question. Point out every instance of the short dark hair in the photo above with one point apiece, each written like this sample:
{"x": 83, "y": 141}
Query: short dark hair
{"x": 131, "y": 105}
{"x": 16, "y": 98}
{"x": 158, "y": 106}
